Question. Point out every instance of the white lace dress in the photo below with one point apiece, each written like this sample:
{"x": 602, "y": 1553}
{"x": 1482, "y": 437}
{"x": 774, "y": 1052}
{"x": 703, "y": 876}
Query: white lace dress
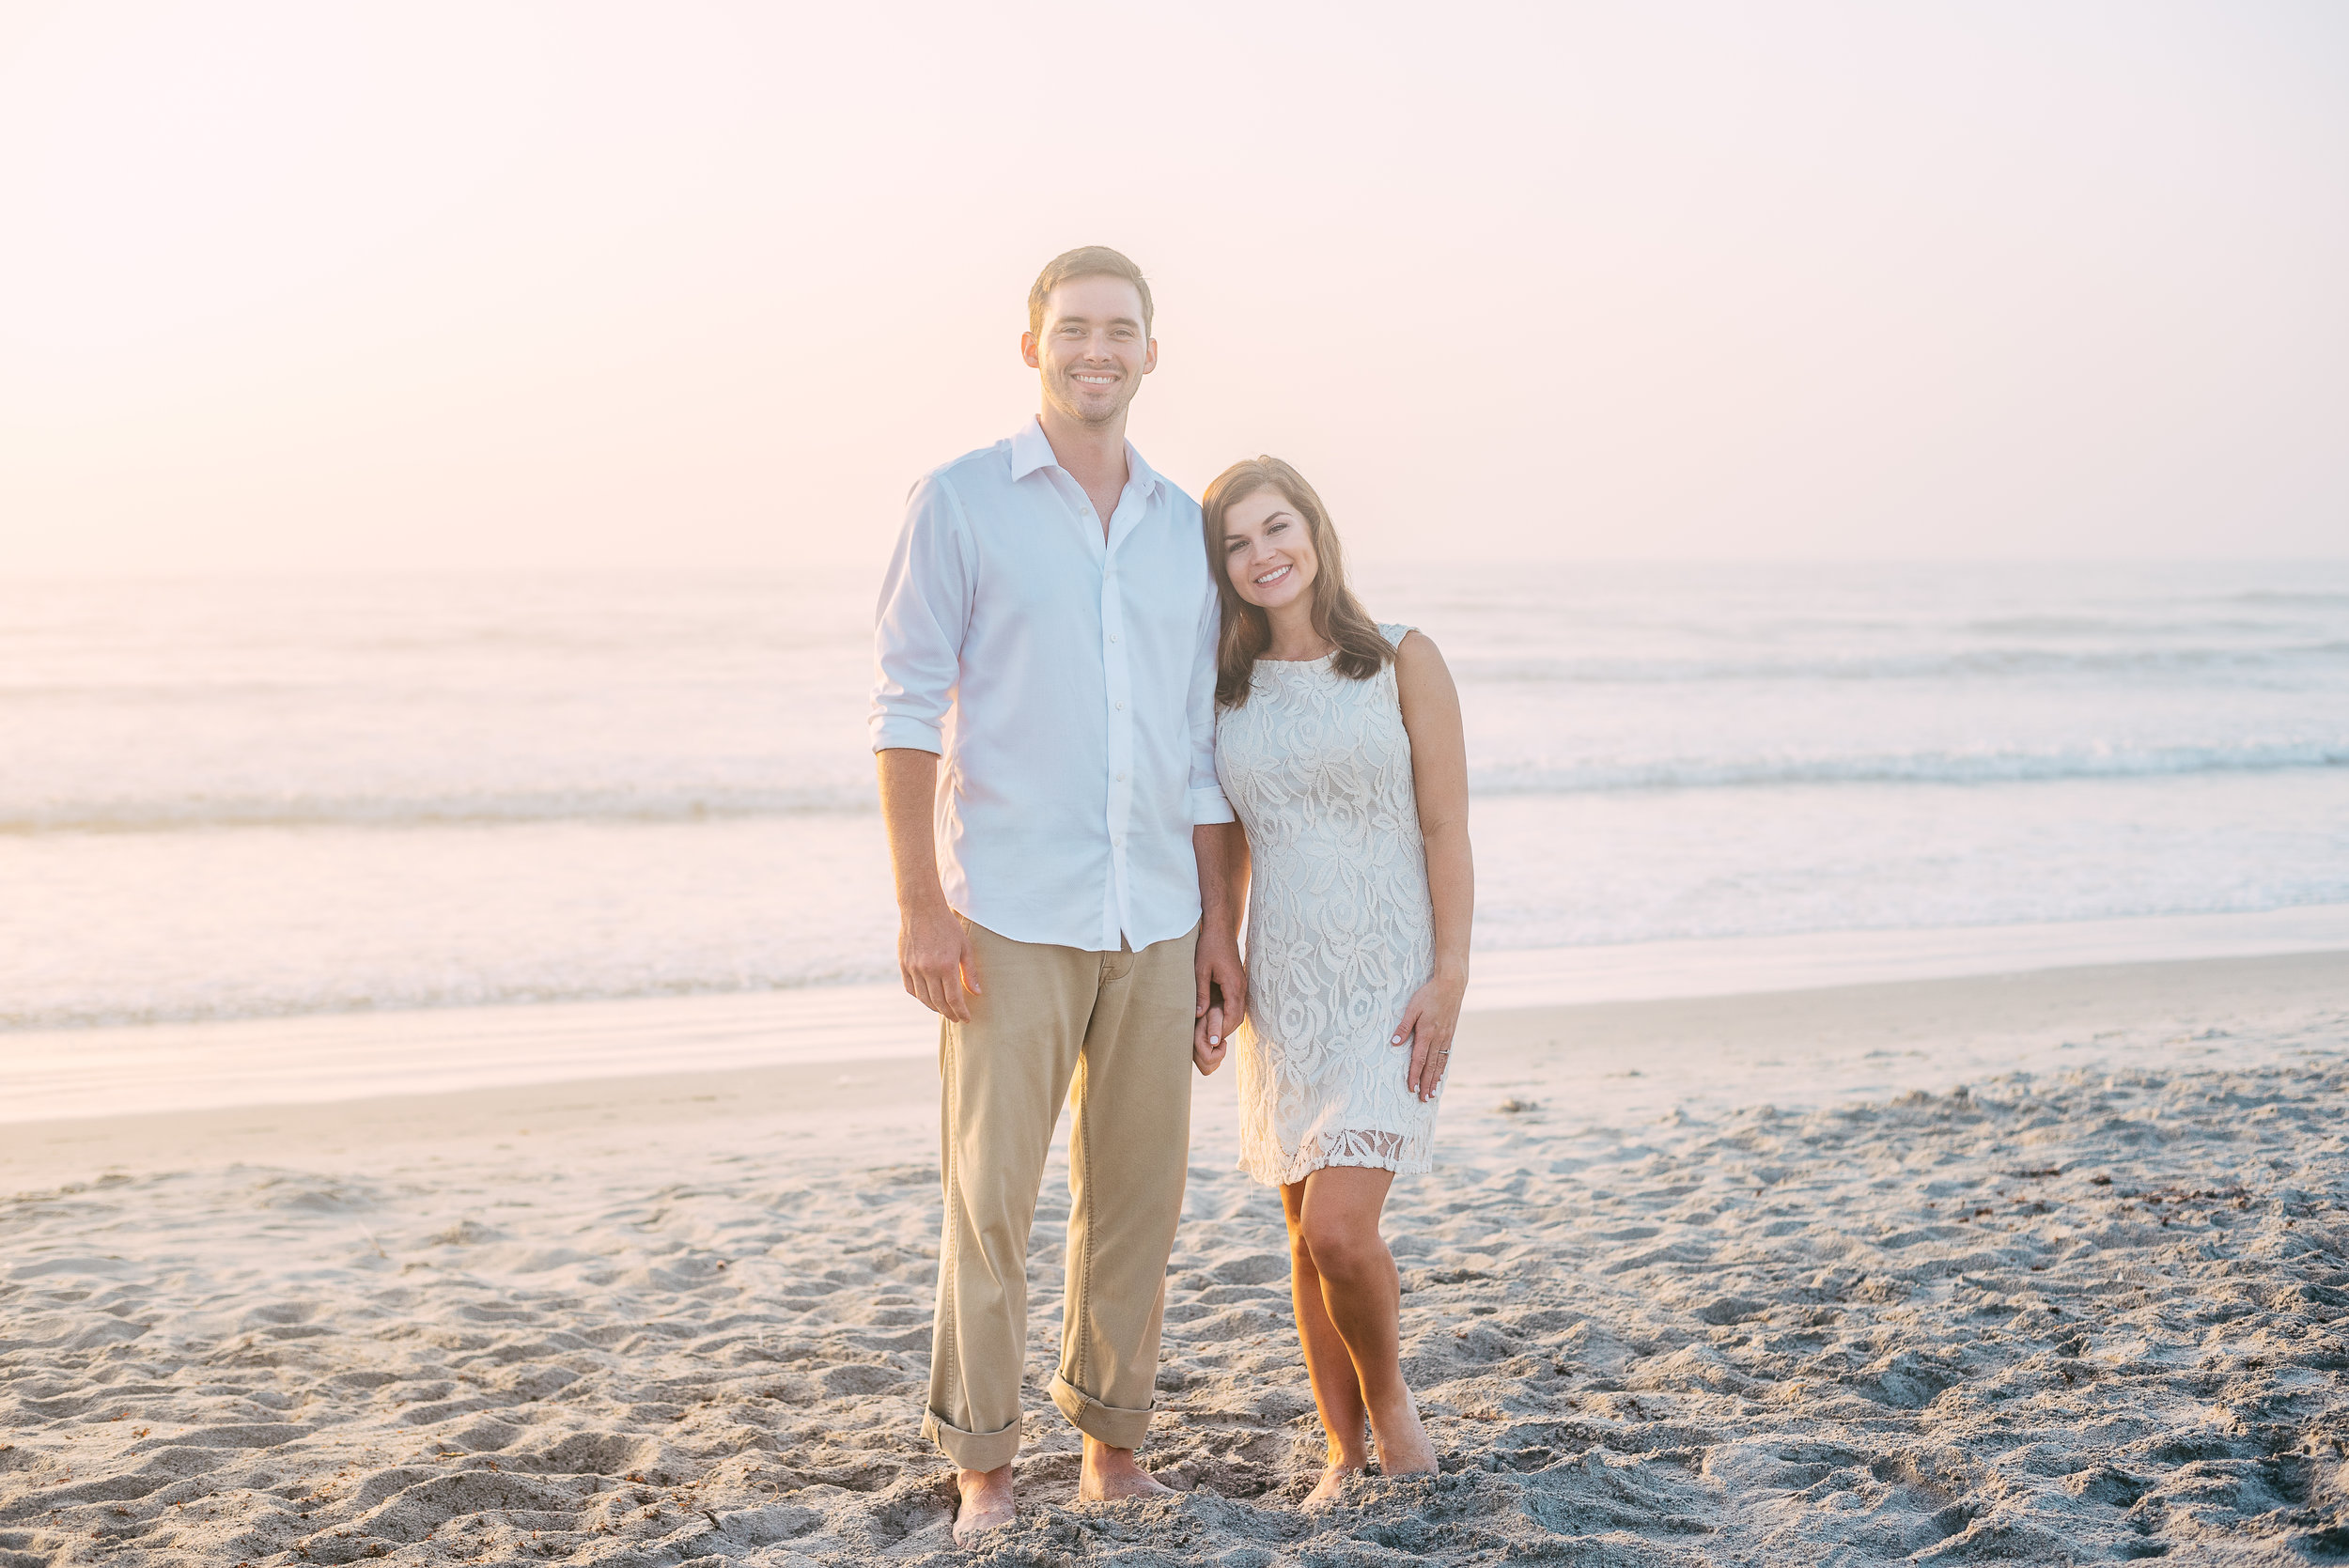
{"x": 1340, "y": 929}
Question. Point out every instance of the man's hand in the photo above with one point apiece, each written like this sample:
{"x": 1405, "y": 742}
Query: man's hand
{"x": 938, "y": 962}
{"x": 1222, "y": 1000}
{"x": 934, "y": 950}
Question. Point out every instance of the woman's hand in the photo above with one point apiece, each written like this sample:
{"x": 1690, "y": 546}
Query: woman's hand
{"x": 1208, "y": 1043}
{"x": 1428, "y": 1024}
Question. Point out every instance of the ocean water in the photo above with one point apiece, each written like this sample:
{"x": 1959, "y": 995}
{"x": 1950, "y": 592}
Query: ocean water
{"x": 276, "y": 798}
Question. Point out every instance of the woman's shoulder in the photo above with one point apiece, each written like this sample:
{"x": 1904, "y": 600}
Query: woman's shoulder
{"x": 1419, "y": 664}
{"x": 1410, "y": 644}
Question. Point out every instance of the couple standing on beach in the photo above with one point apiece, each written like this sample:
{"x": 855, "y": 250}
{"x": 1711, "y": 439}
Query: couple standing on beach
{"x": 1107, "y": 672}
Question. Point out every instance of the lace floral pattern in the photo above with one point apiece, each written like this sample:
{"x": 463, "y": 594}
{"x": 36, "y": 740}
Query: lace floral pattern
{"x": 1340, "y": 929}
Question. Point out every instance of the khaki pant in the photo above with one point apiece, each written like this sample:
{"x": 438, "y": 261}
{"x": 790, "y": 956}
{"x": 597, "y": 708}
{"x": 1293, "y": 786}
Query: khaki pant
{"x": 1110, "y": 1032}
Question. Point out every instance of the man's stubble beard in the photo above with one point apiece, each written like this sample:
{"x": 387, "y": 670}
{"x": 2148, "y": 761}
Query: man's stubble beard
{"x": 1066, "y": 398}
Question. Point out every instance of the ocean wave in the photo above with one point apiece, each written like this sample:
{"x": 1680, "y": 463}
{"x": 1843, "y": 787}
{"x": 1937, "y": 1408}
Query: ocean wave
{"x": 2289, "y": 596}
{"x": 423, "y": 997}
{"x": 2107, "y": 626}
{"x": 481, "y": 808}
{"x": 1531, "y": 777}
{"x": 1962, "y": 768}
{"x": 2294, "y": 659}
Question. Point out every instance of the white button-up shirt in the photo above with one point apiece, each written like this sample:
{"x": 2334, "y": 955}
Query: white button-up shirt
{"x": 1068, "y": 681}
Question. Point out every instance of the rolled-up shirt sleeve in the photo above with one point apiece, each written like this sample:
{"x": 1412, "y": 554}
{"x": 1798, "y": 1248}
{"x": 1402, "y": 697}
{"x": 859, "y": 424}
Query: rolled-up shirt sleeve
{"x": 918, "y": 632}
{"x": 1208, "y": 804}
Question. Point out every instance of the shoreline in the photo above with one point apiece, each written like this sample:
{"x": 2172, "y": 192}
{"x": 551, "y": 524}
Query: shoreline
{"x": 1602, "y": 1063}
{"x": 78, "y": 1073}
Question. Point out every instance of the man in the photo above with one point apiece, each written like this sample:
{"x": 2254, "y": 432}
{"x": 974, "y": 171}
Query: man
{"x": 1048, "y": 626}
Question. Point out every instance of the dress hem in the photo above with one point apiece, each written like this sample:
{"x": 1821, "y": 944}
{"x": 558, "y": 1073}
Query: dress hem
{"x": 1401, "y": 1166}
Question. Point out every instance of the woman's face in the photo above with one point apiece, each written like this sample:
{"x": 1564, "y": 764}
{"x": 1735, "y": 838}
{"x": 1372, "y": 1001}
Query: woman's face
{"x": 1267, "y": 549}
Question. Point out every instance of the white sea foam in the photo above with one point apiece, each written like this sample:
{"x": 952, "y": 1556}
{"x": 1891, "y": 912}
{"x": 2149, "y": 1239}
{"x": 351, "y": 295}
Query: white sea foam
{"x": 1985, "y": 766}
{"x": 172, "y": 814}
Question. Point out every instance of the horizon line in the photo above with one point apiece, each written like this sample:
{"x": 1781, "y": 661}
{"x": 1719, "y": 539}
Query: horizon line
{"x": 1372, "y": 561}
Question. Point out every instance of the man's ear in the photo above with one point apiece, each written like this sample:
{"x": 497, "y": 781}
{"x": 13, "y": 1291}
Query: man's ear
{"x": 1027, "y": 351}
{"x": 1150, "y": 360}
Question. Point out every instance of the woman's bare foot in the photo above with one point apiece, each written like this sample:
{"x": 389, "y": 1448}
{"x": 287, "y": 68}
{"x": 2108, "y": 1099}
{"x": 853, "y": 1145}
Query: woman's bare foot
{"x": 1110, "y": 1474}
{"x": 1403, "y": 1445}
{"x": 1333, "y": 1480}
{"x": 987, "y": 1503}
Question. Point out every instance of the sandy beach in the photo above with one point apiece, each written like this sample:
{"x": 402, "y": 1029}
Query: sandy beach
{"x": 2046, "y": 1268}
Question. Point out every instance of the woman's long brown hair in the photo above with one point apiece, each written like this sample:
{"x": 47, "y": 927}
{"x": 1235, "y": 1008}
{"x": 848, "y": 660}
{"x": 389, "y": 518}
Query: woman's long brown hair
{"x": 1338, "y": 617}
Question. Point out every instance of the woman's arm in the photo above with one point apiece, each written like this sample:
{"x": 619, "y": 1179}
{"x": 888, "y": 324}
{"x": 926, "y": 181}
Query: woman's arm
{"x": 1431, "y": 716}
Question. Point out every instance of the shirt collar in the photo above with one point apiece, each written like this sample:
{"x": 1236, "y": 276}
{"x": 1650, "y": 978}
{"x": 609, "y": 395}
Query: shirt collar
{"x": 1030, "y": 451}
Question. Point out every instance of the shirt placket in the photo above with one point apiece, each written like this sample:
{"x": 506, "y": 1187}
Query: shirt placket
{"x": 1117, "y": 914}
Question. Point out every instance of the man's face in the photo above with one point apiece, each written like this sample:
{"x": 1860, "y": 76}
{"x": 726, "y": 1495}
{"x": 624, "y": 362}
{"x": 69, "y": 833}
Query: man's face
{"x": 1091, "y": 352}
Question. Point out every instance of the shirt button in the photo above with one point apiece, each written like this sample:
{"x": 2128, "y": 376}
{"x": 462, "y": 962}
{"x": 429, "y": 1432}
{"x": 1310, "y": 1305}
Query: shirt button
{"x": 1113, "y": 636}
{"x": 1121, "y": 778}
{"x": 1121, "y": 707}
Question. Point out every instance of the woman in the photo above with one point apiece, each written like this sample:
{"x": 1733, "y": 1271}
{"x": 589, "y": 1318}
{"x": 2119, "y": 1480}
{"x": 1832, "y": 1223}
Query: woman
{"x": 1338, "y": 744}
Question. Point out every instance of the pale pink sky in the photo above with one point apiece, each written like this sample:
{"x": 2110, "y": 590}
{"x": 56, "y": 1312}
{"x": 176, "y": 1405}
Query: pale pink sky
{"x": 699, "y": 285}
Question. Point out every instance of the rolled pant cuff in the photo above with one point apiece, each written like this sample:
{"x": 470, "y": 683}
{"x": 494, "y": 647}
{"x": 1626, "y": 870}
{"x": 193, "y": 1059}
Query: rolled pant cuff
{"x": 1120, "y": 1429}
{"x": 972, "y": 1451}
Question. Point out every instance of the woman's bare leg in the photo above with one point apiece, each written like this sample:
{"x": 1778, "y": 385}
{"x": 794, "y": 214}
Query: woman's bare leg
{"x": 1329, "y": 1364}
{"x": 1337, "y": 1221}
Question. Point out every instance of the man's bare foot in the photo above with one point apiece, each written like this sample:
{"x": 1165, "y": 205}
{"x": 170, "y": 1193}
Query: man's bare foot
{"x": 987, "y": 1503}
{"x": 1332, "y": 1481}
{"x": 1110, "y": 1474}
{"x": 1403, "y": 1445}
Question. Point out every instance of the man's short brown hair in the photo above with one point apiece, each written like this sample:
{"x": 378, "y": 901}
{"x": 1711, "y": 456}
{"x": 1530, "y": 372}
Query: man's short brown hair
{"x": 1085, "y": 261}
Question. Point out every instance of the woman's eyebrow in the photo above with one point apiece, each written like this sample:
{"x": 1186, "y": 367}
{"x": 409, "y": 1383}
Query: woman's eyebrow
{"x": 1284, "y": 512}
